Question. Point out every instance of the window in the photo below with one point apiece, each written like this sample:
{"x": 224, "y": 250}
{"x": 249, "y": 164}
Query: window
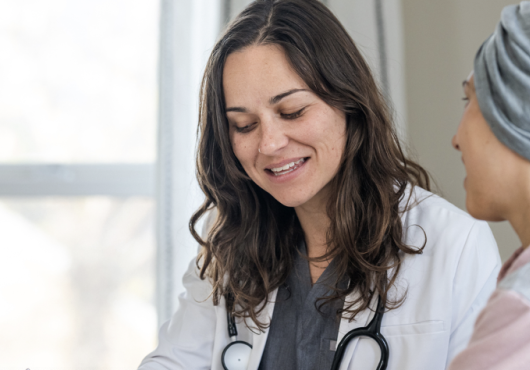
{"x": 78, "y": 123}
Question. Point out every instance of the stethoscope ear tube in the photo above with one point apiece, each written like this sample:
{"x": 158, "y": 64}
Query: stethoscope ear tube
{"x": 232, "y": 328}
{"x": 373, "y": 330}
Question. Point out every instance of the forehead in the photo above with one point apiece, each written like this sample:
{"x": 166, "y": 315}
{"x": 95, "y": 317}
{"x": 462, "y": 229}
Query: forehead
{"x": 257, "y": 73}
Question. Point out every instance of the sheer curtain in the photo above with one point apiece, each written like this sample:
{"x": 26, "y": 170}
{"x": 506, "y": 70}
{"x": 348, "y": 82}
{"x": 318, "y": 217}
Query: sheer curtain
{"x": 189, "y": 30}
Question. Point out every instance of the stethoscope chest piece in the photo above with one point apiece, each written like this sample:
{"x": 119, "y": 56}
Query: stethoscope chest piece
{"x": 236, "y": 355}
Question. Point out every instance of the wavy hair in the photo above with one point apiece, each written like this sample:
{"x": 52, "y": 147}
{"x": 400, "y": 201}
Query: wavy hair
{"x": 249, "y": 250}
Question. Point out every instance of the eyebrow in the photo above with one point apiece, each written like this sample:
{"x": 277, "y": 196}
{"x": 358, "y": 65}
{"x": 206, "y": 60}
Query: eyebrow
{"x": 465, "y": 83}
{"x": 273, "y": 100}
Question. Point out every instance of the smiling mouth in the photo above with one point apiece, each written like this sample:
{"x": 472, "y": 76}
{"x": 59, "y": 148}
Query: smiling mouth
{"x": 289, "y": 167}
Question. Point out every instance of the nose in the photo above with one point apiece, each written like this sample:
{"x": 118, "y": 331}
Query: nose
{"x": 273, "y": 137}
{"x": 454, "y": 142}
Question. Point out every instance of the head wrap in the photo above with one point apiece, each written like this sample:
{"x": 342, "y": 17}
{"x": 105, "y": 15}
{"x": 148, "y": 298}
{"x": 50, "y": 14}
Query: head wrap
{"x": 502, "y": 79}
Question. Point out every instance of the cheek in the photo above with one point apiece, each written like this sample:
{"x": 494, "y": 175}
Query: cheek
{"x": 482, "y": 187}
{"x": 328, "y": 128}
{"x": 239, "y": 150}
{"x": 244, "y": 152}
{"x": 337, "y": 137}
{"x": 478, "y": 178}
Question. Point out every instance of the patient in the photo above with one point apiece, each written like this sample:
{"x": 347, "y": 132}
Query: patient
{"x": 494, "y": 138}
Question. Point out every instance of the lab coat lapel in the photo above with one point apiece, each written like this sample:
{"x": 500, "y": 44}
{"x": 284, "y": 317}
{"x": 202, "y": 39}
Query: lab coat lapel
{"x": 258, "y": 338}
{"x": 362, "y": 319}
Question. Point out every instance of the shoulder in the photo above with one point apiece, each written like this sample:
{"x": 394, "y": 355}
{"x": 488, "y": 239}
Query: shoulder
{"x": 196, "y": 312}
{"x": 437, "y": 282}
{"x": 191, "y": 329}
{"x": 420, "y": 203}
{"x": 518, "y": 282}
{"x": 197, "y": 289}
{"x": 507, "y": 315}
{"x": 455, "y": 245}
{"x": 428, "y": 217}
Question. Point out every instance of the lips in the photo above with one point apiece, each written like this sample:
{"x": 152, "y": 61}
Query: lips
{"x": 286, "y": 166}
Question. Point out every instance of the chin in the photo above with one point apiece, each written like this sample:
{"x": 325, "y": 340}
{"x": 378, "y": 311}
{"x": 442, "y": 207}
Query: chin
{"x": 293, "y": 203}
{"x": 482, "y": 210}
{"x": 289, "y": 200}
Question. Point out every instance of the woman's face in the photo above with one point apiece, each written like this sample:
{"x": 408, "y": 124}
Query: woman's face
{"x": 490, "y": 166}
{"x": 288, "y": 140}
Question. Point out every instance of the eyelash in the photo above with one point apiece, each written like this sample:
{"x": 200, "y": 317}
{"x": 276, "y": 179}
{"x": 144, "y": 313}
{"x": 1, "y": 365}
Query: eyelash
{"x": 289, "y": 116}
{"x": 244, "y": 129}
{"x": 293, "y": 115}
{"x": 465, "y": 98}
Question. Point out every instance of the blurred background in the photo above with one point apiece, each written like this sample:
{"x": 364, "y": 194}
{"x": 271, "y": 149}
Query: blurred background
{"x": 98, "y": 112}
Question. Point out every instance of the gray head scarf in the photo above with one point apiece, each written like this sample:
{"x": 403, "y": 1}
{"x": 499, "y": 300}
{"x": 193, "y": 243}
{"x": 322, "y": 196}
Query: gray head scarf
{"x": 502, "y": 79}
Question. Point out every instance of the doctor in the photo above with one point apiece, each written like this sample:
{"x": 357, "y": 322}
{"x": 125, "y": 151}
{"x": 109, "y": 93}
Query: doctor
{"x": 318, "y": 214}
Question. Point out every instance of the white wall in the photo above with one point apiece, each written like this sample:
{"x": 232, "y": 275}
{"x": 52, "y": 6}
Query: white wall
{"x": 359, "y": 19}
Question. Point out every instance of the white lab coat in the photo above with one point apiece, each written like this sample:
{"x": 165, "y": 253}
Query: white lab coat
{"x": 445, "y": 287}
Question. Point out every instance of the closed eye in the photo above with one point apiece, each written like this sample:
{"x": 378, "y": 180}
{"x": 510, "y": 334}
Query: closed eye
{"x": 292, "y": 115}
{"x": 245, "y": 129}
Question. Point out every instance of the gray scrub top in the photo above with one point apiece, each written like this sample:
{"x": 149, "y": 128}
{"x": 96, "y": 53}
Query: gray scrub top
{"x": 300, "y": 337}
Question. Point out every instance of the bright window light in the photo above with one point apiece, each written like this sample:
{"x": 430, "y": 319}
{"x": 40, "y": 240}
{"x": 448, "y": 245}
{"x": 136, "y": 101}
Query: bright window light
{"x": 78, "y": 80}
{"x": 76, "y": 283}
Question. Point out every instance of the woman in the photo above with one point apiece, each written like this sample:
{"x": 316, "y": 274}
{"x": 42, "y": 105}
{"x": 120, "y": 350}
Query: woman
{"x": 494, "y": 138}
{"x": 319, "y": 213}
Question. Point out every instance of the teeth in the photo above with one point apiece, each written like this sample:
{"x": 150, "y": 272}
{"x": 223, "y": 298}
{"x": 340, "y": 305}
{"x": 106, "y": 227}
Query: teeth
{"x": 287, "y": 166}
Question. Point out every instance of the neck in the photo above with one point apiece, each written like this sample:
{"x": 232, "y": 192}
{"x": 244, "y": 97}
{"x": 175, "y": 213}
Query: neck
{"x": 315, "y": 224}
{"x": 518, "y": 213}
{"x": 520, "y": 222}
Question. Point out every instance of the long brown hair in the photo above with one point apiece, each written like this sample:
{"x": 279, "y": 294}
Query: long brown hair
{"x": 250, "y": 248}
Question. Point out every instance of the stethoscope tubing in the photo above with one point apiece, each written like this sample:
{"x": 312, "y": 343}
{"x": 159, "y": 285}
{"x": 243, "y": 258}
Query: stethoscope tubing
{"x": 373, "y": 330}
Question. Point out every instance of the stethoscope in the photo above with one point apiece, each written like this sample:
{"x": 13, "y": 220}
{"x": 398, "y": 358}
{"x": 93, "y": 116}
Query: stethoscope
{"x": 237, "y": 354}
{"x": 373, "y": 330}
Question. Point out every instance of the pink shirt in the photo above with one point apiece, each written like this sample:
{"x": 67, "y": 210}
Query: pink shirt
{"x": 501, "y": 339}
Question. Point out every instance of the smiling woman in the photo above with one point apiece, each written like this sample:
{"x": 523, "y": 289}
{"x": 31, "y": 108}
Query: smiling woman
{"x": 316, "y": 213}
{"x": 288, "y": 140}
{"x": 291, "y": 98}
